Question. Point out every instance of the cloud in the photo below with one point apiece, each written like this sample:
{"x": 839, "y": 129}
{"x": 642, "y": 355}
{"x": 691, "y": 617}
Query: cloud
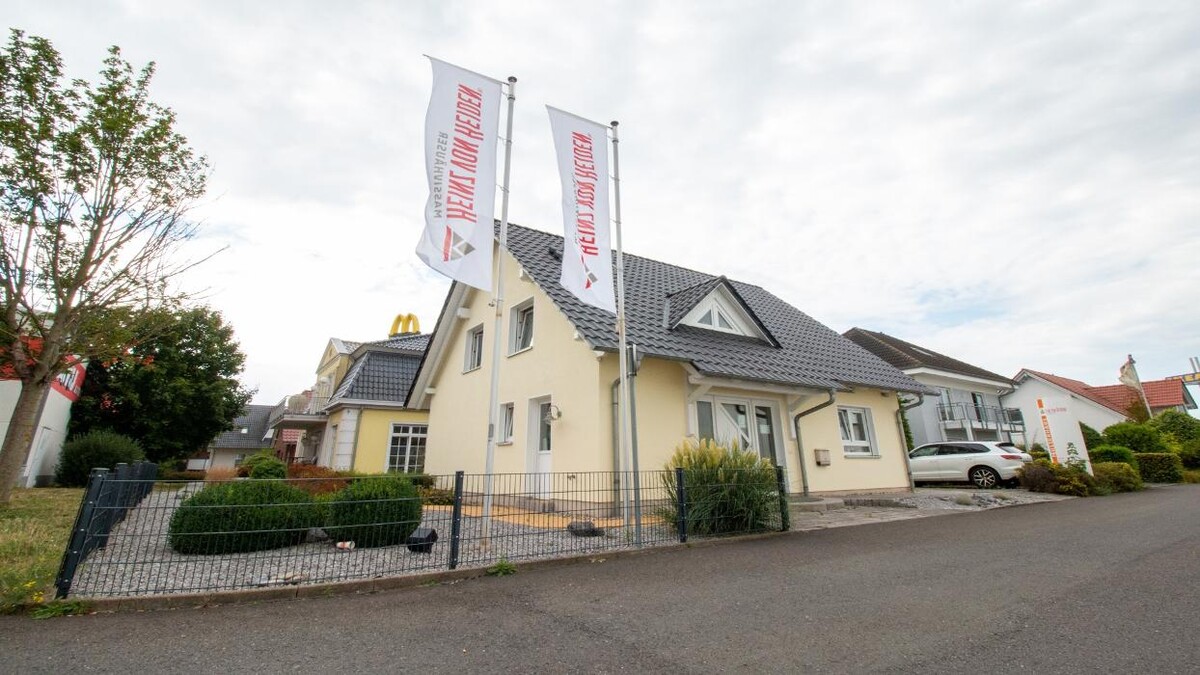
{"x": 1014, "y": 184}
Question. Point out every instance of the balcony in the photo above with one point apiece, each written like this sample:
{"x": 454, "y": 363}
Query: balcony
{"x": 963, "y": 415}
{"x": 300, "y": 411}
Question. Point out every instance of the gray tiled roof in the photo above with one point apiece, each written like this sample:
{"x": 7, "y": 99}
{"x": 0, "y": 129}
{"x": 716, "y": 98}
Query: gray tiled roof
{"x": 809, "y": 354}
{"x": 380, "y": 376}
{"x": 413, "y": 342}
{"x": 255, "y": 420}
{"x": 906, "y": 355}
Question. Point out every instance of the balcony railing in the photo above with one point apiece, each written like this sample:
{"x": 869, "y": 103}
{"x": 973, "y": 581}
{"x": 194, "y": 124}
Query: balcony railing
{"x": 298, "y": 405}
{"x": 981, "y": 416}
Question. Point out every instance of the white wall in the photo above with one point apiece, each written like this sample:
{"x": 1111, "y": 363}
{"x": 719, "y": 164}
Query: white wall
{"x": 1025, "y": 398}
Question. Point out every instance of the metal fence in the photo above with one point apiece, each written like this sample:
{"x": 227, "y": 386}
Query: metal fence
{"x": 137, "y": 536}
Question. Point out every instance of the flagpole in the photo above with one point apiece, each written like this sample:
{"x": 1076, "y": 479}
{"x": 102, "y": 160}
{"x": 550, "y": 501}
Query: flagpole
{"x": 498, "y": 303}
{"x": 628, "y": 455}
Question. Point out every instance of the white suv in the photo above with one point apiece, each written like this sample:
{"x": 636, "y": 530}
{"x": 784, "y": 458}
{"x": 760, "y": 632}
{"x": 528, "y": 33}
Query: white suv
{"x": 983, "y": 463}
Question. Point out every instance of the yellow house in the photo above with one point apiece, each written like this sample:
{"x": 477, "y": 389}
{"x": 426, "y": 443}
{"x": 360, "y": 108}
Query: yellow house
{"x": 354, "y": 417}
{"x": 722, "y": 359}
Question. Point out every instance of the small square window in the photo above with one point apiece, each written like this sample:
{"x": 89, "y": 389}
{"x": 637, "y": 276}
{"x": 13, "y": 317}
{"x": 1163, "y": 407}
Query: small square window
{"x": 473, "y": 357}
{"x": 521, "y": 335}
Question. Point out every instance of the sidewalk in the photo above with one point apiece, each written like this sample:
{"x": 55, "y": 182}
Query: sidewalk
{"x": 923, "y": 502}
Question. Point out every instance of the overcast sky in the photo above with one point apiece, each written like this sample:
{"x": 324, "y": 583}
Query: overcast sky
{"x": 1012, "y": 184}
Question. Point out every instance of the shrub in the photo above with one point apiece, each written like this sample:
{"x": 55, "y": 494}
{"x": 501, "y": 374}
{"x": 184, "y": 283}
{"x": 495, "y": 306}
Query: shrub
{"x": 1117, "y": 476}
{"x": 727, "y": 490}
{"x": 170, "y": 474}
{"x": 432, "y": 496}
{"x": 1038, "y": 451}
{"x": 315, "y": 480}
{"x": 269, "y": 468}
{"x": 375, "y": 511}
{"x": 248, "y": 464}
{"x": 242, "y": 516}
{"x": 1113, "y": 453}
{"x": 1091, "y": 437}
{"x": 1191, "y": 476}
{"x": 1160, "y": 467}
{"x": 217, "y": 473}
{"x": 421, "y": 480}
{"x": 1182, "y": 426}
{"x": 1136, "y": 437}
{"x": 94, "y": 450}
{"x": 1043, "y": 476}
{"x": 1189, "y": 454}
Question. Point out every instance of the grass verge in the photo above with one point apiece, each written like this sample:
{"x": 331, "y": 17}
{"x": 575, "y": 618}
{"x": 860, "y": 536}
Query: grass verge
{"x": 33, "y": 533}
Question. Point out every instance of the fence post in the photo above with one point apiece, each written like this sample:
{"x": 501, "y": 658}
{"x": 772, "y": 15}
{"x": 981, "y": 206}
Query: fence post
{"x": 456, "y": 519}
{"x": 785, "y": 516}
{"x": 681, "y": 507}
{"x": 75, "y": 546}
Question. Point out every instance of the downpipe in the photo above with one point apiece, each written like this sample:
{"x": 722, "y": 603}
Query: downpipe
{"x": 800, "y": 443}
{"x": 904, "y": 441}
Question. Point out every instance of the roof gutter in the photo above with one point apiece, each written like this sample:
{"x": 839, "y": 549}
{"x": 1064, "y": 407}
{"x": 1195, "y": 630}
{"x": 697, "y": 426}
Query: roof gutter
{"x": 904, "y": 441}
{"x": 832, "y": 393}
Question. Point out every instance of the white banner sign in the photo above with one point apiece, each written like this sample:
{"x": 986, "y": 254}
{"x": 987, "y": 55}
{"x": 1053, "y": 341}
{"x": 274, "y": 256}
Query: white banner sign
{"x": 582, "y": 149}
{"x": 461, "y": 130}
{"x": 1064, "y": 438}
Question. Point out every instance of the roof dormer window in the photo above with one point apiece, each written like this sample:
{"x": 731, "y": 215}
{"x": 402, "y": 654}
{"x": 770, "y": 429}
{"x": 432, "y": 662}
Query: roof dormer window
{"x": 720, "y": 312}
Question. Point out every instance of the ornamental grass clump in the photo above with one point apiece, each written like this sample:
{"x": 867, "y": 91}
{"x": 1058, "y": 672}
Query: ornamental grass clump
{"x": 240, "y": 516}
{"x": 375, "y": 511}
{"x": 727, "y": 490}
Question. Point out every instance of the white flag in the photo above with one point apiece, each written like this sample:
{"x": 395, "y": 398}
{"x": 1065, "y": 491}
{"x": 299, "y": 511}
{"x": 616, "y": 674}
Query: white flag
{"x": 1128, "y": 374}
{"x": 582, "y": 149}
{"x": 461, "y": 130}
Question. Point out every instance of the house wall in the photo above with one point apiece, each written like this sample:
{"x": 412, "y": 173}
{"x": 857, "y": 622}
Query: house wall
{"x": 1088, "y": 412}
{"x": 48, "y": 435}
{"x": 375, "y": 435}
{"x": 924, "y": 420}
{"x": 885, "y": 472}
{"x": 557, "y": 366}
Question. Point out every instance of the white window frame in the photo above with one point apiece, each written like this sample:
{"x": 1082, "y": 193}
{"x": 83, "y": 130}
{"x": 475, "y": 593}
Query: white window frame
{"x": 516, "y": 331}
{"x": 473, "y": 350}
{"x": 504, "y": 435}
{"x": 854, "y": 447}
{"x": 410, "y": 434}
{"x": 722, "y": 304}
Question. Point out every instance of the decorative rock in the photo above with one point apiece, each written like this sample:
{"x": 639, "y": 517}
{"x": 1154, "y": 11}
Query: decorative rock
{"x": 314, "y": 535}
{"x": 584, "y": 528}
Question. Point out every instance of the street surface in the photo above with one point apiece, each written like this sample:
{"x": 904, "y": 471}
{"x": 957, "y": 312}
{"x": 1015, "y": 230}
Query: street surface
{"x": 1086, "y": 585}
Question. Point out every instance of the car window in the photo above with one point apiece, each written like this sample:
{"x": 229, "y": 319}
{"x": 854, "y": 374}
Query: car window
{"x": 949, "y": 450}
{"x": 924, "y": 452}
{"x": 974, "y": 448}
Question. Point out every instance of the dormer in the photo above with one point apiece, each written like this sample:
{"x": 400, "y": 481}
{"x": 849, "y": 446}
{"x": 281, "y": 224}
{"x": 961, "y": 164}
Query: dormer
{"x": 717, "y": 306}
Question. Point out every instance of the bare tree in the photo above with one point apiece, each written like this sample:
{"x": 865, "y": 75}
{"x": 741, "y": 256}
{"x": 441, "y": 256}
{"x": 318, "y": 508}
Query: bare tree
{"x": 95, "y": 184}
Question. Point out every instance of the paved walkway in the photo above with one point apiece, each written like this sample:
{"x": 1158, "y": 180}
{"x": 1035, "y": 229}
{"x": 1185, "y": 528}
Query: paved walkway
{"x": 923, "y": 502}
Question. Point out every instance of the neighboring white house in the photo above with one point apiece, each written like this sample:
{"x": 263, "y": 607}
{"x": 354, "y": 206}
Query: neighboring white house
{"x": 967, "y": 407}
{"x": 51, "y": 427}
{"x": 250, "y": 434}
{"x": 1085, "y": 405}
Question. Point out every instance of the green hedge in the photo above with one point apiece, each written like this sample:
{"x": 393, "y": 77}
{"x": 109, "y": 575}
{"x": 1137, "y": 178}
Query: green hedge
{"x": 247, "y": 515}
{"x": 1136, "y": 437}
{"x": 1117, "y": 476}
{"x": 375, "y": 511}
{"x": 1160, "y": 467}
{"x": 94, "y": 450}
{"x": 1112, "y": 453}
{"x": 728, "y": 490}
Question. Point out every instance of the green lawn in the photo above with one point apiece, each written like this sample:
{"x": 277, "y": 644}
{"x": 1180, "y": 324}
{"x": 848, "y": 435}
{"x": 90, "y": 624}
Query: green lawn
{"x": 33, "y": 533}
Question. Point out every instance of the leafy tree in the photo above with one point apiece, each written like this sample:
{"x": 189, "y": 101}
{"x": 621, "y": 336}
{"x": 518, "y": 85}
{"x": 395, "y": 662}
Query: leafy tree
{"x": 95, "y": 184}
{"x": 1182, "y": 426}
{"x": 173, "y": 392}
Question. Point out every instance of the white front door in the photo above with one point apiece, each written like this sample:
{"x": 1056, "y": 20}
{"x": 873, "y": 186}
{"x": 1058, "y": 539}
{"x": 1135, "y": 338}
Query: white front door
{"x": 748, "y": 424}
{"x": 541, "y": 453}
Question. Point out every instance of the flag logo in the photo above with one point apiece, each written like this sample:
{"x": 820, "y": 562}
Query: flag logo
{"x": 454, "y": 246}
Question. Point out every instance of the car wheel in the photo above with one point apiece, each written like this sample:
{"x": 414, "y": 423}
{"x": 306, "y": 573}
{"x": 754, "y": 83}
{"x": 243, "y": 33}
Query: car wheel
{"x": 984, "y": 477}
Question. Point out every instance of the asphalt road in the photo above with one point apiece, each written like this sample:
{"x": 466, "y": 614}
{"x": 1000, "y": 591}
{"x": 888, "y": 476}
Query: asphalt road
{"x": 1088, "y": 585}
